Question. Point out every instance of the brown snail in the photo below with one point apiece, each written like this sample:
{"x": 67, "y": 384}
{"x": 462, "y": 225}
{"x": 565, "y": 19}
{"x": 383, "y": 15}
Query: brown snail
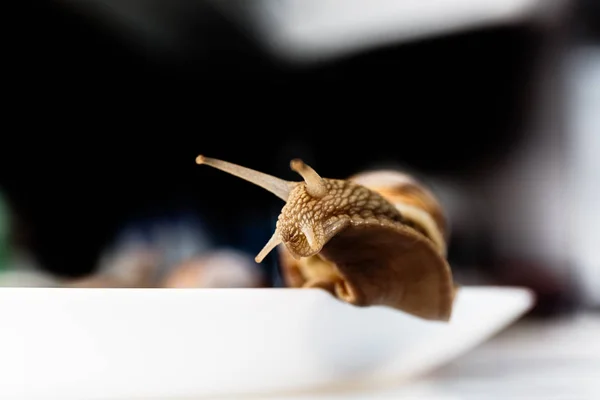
{"x": 223, "y": 268}
{"x": 347, "y": 238}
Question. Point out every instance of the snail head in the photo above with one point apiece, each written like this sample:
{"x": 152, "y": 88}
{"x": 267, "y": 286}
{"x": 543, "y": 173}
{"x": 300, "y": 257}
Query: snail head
{"x": 300, "y": 223}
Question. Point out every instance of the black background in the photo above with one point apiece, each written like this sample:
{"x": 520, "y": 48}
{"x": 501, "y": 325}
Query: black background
{"x": 99, "y": 129}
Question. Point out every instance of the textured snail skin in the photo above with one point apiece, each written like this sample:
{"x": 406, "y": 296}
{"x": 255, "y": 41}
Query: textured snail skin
{"x": 350, "y": 240}
{"x": 344, "y": 204}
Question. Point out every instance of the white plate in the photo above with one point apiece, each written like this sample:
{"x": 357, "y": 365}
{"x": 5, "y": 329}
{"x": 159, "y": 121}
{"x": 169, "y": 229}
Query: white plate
{"x": 169, "y": 343}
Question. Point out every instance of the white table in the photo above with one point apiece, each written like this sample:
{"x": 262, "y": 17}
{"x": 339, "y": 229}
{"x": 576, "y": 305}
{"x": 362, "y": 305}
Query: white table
{"x": 551, "y": 360}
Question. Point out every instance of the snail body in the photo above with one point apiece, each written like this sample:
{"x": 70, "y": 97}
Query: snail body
{"x": 355, "y": 242}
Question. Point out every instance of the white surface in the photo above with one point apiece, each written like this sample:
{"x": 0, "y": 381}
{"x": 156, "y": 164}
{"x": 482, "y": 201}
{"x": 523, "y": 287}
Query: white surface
{"x": 584, "y": 167}
{"x": 309, "y": 30}
{"x": 557, "y": 359}
{"x": 158, "y": 343}
{"x": 516, "y": 364}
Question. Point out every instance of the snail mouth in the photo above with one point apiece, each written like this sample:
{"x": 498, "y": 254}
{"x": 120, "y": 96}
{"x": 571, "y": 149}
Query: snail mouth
{"x": 303, "y": 254}
{"x": 303, "y": 249}
{"x": 313, "y": 252}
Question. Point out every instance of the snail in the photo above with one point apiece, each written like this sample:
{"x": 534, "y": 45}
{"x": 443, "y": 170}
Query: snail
{"x": 357, "y": 243}
{"x": 223, "y": 268}
{"x": 125, "y": 269}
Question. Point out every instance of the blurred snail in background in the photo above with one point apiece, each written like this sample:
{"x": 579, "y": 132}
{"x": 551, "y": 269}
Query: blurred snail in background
{"x": 377, "y": 238}
{"x": 127, "y": 269}
{"x": 224, "y": 268}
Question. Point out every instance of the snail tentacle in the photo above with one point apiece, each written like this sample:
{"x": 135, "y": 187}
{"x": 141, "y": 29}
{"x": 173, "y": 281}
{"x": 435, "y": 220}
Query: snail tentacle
{"x": 279, "y": 187}
{"x": 273, "y": 242}
{"x": 315, "y": 185}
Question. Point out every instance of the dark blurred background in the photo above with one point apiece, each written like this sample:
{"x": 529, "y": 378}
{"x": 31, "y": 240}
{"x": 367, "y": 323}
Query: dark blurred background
{"x": 108, "y": 104}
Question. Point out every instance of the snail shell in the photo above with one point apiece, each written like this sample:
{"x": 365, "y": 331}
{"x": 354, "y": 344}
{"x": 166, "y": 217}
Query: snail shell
{"x": 377, "y": 238}
{"x": 417, "y": 203}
